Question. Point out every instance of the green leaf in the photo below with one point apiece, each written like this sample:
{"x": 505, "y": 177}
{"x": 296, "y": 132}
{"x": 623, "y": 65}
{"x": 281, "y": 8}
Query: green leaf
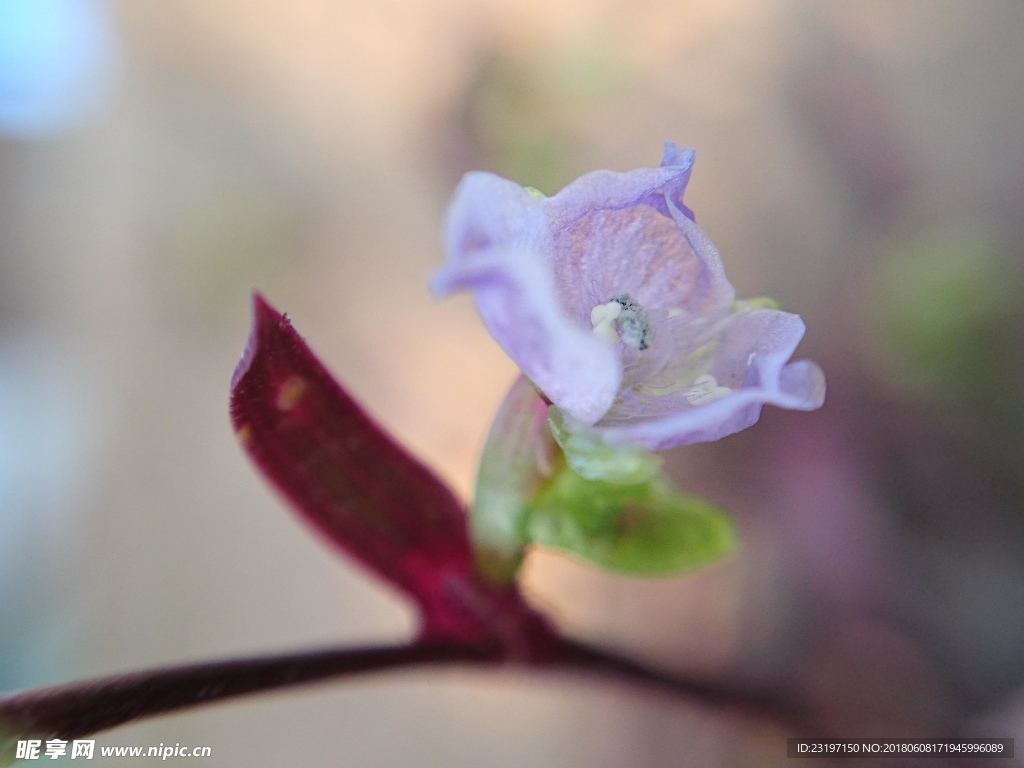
{"x": 518, "y": 458}
{"x": 594, "y": 459}
{"x": 643, "y": 529}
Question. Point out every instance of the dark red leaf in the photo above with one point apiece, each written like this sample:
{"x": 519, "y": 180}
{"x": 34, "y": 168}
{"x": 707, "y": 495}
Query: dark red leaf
{"x": 363, "y": 491}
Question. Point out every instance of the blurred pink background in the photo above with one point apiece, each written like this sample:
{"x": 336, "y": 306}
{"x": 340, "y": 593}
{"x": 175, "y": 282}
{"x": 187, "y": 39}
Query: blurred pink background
{"x": 861, "y": 161}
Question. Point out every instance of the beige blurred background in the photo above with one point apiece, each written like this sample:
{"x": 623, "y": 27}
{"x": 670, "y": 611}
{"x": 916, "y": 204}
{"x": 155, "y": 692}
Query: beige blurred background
{"x": 861, "y": 161}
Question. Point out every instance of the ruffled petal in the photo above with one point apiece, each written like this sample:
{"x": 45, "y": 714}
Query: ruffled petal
{"x": 611, "y": 190}
{"x": 497, "y": 239}
{"x": 802, "y": 386}
{"x": 488, "y": 212}
{"x": 678, "y": 157}
{"x": 630, "y": 233}
{"x": 748, "y": 357}
{"x": 754, "y": 345}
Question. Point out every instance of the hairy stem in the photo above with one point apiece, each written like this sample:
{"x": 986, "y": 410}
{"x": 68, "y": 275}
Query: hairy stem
{"x": 90, "y": 706}
{"x": 83, "y": 708}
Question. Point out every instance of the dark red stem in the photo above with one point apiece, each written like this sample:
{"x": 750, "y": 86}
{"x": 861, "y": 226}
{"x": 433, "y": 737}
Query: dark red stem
{"x": 83, "y": 708}
{"x": 90, "y": 706}
{"x": 766, "y": 705}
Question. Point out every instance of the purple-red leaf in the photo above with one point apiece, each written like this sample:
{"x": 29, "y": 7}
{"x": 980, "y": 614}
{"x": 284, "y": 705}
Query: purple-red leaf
{"x": 362, "y": 491}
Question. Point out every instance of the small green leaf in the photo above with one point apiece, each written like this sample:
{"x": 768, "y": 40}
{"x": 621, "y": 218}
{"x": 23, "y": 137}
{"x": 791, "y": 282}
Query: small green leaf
{"x": 594, "y": 459}
{"x": 535, "y": 193}
{"x": 645, "y": 529}
{"x": 518, "y": 457}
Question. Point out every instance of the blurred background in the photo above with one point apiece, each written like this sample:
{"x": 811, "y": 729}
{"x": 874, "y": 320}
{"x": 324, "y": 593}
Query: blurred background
{"x": 861, "y": 161}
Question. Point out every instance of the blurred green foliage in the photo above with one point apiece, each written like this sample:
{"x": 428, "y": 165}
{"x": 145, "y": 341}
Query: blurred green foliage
{"x": 526, "y": 113}
{"x": 948, "y": 308}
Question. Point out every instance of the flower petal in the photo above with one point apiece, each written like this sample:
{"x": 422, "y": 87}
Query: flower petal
{"x": 749, "y": 357}
{"x": 664, "y": 263}
{"x": 497, "y": 245}
{"x": 802, "y": 384}
{"x": 616, "y": 233}
{"x": 611, "y": 190}
{"x": 488, "y": 212}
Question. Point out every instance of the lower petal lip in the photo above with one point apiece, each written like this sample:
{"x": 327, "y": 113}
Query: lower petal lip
{"x": 719, "y": 418}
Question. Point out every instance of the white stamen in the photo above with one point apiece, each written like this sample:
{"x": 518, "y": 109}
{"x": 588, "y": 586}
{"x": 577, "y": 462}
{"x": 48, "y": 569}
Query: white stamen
{"x": 603, "y": 318}
{"x": 705, "y": 389}
{"x": 622, "y": 319}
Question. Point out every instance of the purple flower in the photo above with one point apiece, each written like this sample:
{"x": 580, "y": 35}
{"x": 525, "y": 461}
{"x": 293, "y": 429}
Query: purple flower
{"x": 615, "y": 304}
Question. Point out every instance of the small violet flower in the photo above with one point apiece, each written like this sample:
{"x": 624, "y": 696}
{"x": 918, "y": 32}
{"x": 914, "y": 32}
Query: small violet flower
{"x": 615, "y": 304}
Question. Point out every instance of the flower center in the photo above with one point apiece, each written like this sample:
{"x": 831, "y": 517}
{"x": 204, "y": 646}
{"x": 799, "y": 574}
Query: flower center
{"x": 622, "y": 318}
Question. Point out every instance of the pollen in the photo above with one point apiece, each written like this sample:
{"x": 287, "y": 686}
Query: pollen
{"x": 622, "y": 319}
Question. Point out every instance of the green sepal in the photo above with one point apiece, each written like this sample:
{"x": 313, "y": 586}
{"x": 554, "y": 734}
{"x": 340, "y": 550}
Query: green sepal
{"x": 519, "y": 456}
{"x": 594, "y": 459}
{"x": 643, "y": 529}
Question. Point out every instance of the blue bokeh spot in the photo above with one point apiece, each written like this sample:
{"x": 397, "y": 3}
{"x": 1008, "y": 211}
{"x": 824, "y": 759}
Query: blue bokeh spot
{"x": 57, "y": 61}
